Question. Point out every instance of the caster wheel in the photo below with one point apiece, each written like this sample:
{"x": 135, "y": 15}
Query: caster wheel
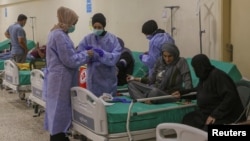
{"x": 83, "y": 138}
{"x": 22, "y": 96}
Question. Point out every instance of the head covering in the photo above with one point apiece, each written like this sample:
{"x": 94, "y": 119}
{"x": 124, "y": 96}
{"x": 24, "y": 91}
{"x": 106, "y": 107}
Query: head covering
{"x": 172, "y": 49}
{"x": 202, "y": 66}
{"x": 99, "y": 17}
{"x": 66, "y": 18}
{"x": 121, "y": 42}
{"x": 149, "y": 27}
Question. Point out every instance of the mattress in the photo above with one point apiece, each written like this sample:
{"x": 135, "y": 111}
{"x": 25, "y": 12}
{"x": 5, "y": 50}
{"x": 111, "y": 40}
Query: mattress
{"x": 229, "y": 68}
{"x": 5, "y": 44}
{"x": 2, "y": 64}
{"x": 24, "y": 77}
{"x": 117, "y": 115}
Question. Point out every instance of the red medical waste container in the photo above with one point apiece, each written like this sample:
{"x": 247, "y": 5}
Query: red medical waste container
{"x": 82, "y": 77}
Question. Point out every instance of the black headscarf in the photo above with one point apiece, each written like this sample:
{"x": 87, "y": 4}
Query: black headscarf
{"x": 202, "y": 66}
{"x": 149, "y": 27}
{"x": 100, "y": 18}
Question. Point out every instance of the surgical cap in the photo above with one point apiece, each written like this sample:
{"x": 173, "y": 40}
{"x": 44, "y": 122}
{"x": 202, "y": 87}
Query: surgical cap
{"x": 149, "y": 27}
{"x": 99, "y": 17}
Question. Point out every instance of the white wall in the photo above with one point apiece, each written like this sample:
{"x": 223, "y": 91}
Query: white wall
{"x": 125, "y": 18}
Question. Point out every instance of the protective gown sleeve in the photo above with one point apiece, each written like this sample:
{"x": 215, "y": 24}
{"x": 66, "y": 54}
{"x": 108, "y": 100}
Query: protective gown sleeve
{"x": 111, "y": 58}
{"x": 67, "y": 53}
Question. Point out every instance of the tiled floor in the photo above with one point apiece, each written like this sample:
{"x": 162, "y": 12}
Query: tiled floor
{"x": 17, "y": 122}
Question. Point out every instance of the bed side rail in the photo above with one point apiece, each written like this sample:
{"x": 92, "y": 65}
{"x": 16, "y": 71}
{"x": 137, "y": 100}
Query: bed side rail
{"x": 36, "y": 79}
{"x": 11, "y": 72}
{"x": 88, "y": 110}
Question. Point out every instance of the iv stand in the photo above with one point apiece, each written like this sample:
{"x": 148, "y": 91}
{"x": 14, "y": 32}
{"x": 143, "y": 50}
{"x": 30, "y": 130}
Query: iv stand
{"x": 32, "y": 26}
{"x": 171, "y": 15}
{"x": 200, "y": 31}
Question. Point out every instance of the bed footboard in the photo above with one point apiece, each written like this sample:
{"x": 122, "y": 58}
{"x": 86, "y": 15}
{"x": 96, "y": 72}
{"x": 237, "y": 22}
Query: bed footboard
{"x": 88, "y": 111}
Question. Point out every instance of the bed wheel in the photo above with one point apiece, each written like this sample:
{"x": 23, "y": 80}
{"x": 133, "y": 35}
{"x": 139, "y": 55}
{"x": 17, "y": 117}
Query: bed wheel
{"x": 22, "y": 95}
{"x": 83, "y": 138}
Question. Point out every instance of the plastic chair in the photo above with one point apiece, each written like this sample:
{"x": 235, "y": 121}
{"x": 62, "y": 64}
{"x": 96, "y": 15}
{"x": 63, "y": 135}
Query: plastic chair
{"x": 243, "y": 88}
{"x": 182, "y": 132}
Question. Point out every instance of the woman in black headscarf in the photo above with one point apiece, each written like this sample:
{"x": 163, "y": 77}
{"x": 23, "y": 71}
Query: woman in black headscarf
{"x": 171, "y": 73}
{"x": 217, "y": 96}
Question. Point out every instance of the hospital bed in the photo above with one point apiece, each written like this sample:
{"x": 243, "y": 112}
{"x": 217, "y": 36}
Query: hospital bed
{"x": 37, "y": 78}
{"x": 5, "y": 45}
{"x": 121, "y": 121}
{"x": 15, "y": 79}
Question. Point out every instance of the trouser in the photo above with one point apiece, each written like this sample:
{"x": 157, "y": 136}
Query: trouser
{"x": 59, "y": 137}
{"x": 19, "y": 58}
{"x": 196, "y": 119}
{"x": 139, "y": 90}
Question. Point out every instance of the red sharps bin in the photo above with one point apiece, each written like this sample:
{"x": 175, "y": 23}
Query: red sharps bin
{"x": 82, "y": 77}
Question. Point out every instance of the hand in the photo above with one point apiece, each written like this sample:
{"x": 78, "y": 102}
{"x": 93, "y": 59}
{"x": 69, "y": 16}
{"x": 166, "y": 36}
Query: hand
{"x": 210, "y": 120}
{"x": 88, "y": 47}
{"x": 130, "y": 77}
{"x": 90, "y": 53}
{"x": 176, "y": 94}
{"x": 99, "y": 51}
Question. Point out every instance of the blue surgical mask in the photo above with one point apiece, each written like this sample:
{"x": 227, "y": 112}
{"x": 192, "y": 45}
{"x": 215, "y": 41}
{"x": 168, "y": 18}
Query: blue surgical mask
{"x": 149, "y": 37}
{"x": 71, "y": 29}
{"x": 98, "y": 32}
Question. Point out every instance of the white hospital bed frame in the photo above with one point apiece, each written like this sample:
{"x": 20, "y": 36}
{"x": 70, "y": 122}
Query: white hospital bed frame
{"x": 36, "y": 79}
{"x": 90, "y": 119}
{"x": 11, "y": 79}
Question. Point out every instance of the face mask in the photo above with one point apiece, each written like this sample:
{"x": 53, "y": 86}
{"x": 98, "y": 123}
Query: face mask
{"x": 98, "y": 32}
{"x": 149, "y": 37}
{"x": 71, "y": 29}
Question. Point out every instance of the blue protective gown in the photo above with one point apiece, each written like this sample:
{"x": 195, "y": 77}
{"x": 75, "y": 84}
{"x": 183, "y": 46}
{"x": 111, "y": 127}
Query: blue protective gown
{"x": 60, "y": 75}
{"x": 101, "y": 71}
{"x": 154, "y": 51}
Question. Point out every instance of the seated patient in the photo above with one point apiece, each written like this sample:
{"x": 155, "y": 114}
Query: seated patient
{"x": 125, "y": 64}
{"x": 171, "y": 73}
{"x": 217, "y": 96}
{"x": 37, "y": 53}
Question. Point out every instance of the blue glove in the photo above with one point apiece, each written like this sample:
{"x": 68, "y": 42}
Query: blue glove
{"x": 123, "y": 100}
{"x": 140, "y": 57}
{"x": 99, "y": 51}
{"x": 88, "y": 47}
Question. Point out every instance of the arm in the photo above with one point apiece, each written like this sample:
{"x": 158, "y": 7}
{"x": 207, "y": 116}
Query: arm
{"x": 111, "y": 58}
{"x": 185, "y": 73}
{"x": 7, "y": 34}
{"x": 67, "y": 53}
{"x": 22, "y": 43}
{"x": 227, "y": 92}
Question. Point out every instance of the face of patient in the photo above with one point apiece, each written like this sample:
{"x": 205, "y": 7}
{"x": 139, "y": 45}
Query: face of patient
{"x": 168, "y": 58}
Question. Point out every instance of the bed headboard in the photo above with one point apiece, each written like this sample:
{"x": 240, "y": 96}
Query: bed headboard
{"x": 88, "y": 110}
{"x": 11, "y": 72}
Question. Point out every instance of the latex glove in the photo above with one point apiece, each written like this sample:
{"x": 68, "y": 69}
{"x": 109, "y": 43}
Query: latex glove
{"x": 99, "y": 51}
{"x": 140, "y": 57}
{"x": 123, "y": 100}
{"x": 88, "y": 47}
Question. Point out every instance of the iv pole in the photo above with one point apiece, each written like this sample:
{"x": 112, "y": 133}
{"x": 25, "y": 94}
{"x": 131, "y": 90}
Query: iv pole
{"x": 32, "y": 26}
{"x": 200, "y": 31}
{"x": 171, "y": 17}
